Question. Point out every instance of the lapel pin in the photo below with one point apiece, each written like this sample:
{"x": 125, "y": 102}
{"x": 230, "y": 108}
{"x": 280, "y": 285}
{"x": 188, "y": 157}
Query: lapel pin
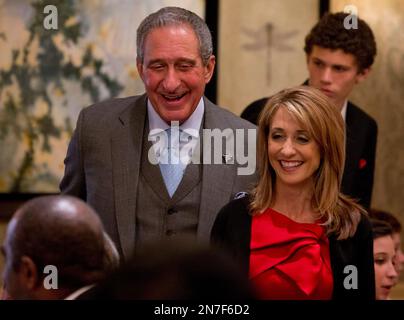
{"x": 362, "y": 163}
{"x": 228, "y": 158}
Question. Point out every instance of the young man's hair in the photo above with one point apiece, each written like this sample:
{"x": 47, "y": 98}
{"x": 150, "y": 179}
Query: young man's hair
{"x": 330, "y": 33}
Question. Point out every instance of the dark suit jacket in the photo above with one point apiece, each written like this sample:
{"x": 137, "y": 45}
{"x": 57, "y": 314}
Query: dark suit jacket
{"x": 232, "y": 233}
{"x": 103, "y": 161}
{"x": 361, "y": 136}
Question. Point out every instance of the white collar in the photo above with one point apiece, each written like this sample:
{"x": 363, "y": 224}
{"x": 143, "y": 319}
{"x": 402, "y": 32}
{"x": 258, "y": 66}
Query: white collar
{"x": 78, "y": 292}
{"x": 343, "y": 110}
{"x": 190, "y": 126}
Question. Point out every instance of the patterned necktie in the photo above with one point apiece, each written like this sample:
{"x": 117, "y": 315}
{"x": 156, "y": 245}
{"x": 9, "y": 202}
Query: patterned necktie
{"x": 173, "y": 169}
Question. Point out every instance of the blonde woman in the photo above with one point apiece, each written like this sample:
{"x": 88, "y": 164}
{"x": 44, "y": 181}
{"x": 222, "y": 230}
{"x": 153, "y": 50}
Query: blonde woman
{"x": 296, "y": 235}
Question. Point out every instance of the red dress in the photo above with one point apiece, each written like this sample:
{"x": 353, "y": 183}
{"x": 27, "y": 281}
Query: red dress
{"x": 289, "y": 260}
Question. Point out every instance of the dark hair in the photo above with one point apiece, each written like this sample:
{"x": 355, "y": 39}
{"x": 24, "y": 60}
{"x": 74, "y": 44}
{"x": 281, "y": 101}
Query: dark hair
{"x": 176, "y": 270}
{"x": 388, "y": 217}
{"x": 46, "y": 232}
{"x": 380, "y": 228}
{"x": 331, "y": 33}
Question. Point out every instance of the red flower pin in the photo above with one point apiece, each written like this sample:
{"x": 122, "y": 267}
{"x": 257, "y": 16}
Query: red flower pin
{"x": 362, "y": 163}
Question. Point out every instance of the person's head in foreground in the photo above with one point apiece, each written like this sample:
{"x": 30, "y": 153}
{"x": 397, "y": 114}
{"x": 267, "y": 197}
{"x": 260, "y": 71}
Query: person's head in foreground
{"x": 54, "y": 246}
{"x": 176, "y": 270}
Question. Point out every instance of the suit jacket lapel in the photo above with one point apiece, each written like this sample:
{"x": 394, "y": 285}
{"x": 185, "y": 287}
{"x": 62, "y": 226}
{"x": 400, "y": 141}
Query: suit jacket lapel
{"x": 126, "y": 146}
{"x": 152, "y": 172}
{"x": 217, "y": 179}
{"x": 352, "y": 150}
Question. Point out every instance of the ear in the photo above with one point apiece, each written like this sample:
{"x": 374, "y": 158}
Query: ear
{"x": 28, "y": 273}
{"x": 362, "y": 75}
{"x": 139, "y": 66}
{"x": 209, "y": 68}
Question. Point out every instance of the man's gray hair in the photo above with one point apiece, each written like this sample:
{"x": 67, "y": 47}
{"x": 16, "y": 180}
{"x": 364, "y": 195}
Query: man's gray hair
{"x": 170, "y": 16}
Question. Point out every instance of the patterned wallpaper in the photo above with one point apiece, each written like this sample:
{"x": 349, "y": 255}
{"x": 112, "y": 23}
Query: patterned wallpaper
{"x": 47, "y": 75}
{"x": 261, "y": 48}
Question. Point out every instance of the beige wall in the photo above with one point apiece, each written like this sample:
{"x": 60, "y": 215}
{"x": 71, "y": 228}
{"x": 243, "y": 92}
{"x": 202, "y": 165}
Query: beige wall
{"x": 382, "y": 96}
{"x": 261, "y": 48}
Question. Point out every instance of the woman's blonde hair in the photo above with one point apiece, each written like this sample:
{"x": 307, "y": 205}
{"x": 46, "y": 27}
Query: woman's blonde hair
{"x": 316, "y": 114}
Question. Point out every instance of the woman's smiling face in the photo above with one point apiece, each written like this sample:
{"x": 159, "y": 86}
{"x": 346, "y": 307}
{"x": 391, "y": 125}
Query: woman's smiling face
{"x": 293, "y": 153}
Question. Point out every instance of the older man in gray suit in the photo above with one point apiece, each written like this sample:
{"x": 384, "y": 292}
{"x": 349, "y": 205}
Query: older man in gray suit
{"x": 111, "y": 160}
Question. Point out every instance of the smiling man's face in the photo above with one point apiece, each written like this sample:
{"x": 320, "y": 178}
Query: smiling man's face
{"x": 173, "y": 72}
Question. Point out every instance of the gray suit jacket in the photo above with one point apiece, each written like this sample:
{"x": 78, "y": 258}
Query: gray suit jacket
{"x": 103, "y": 162}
